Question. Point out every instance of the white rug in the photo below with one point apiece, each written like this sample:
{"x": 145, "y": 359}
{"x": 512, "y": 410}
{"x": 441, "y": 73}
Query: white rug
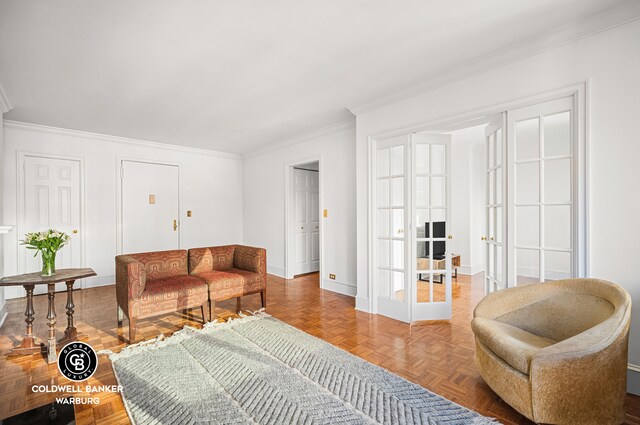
{"x": 260, "y": 370}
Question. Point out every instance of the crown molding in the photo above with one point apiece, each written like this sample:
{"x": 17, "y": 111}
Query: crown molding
{"x": 616, "y": 16}
{"x": 5, "y": 105}
{"x": 305, "y": 137}
{"x": 116, "y": 139}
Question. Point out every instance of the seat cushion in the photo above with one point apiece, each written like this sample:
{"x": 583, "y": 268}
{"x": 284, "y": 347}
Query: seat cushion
{"x": 172, "y": 294}
{"x": 231, "y": 283}
{"x": 513, "y": 345}
{"x": 560, "y": 316}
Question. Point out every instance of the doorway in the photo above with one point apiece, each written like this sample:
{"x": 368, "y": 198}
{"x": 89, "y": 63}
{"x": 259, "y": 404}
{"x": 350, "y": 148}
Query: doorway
{"x": 531, "y": 226}
{"x": 51, "y": 199}
{"x": 149, "y": 206}
{"x": 303, "y": 234}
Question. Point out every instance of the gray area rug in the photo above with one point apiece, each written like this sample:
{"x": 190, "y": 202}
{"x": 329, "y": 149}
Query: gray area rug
{"x": 260, "y": 370}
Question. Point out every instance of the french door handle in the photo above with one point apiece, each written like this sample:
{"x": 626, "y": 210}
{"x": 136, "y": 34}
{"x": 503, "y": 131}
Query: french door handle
{"x": 175, "y": 225}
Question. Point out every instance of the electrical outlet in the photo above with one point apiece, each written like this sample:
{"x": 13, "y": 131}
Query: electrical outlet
{"x": 332, "y": 276}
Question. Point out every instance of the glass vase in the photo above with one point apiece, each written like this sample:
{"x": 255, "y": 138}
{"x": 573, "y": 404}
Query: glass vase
{"x": 48, "y": 263}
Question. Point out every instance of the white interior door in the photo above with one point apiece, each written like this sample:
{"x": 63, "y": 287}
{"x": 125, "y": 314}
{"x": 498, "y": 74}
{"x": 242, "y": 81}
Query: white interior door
{"x": 150, "y": 207}
{"x": 495, "y": 189}
{"x": 52, "y": 201}
{"x": 391, "y": 249}
{"x": 306, "y": 221}
{"x": 431, "y": 294}
{"x": 543, "y": 215}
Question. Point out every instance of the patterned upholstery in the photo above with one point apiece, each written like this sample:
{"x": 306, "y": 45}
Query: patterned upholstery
{"x": 172, "y": 294}
{"x": 153, "y": 283}
{"x": 230, "y": 271}
{"x": 231, "y": 283}
{"x": 212, "y": 258}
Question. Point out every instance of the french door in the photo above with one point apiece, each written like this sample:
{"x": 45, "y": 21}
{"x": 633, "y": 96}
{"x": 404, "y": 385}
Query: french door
{"x": 391, "y": 242}
{"x": 431, "y": 274}
{"x": 543, "y": 216}
{"x": 531, "y": 231}
{"x": 412, "y": 217}
{"x": 495, "y": 189}
{"x": 531, "y": 183}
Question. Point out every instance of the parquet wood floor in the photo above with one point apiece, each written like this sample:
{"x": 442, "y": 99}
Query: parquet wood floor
{"x": 438, "y": 356}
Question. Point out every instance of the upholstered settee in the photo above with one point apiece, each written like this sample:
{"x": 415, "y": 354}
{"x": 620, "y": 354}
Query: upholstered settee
{"x": 154, "y": 283}
{"x": 230, "y": 271}
{"x": 557, "y": 351}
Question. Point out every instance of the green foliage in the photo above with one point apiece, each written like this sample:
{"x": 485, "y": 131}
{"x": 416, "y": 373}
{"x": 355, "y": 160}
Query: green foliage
{"x": 47, "y": 241}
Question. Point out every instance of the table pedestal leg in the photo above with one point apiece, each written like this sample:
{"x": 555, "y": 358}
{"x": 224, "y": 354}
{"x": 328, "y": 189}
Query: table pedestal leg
{"x": 51, "y": 317}
{"x": 29, "y": 344}
{"x": 70, "y": 333}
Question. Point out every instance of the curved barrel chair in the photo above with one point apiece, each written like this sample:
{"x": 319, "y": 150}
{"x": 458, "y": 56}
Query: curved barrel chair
{"x": 557, "y": 351}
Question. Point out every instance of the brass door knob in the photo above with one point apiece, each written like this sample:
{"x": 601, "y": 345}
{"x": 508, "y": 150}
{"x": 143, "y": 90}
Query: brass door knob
{"x": 491, "y": 238}
{"x": 75, "y": 231}
{"x": 483, "y": 238}
{"x": 175, "y": 225}
{"x": 450, "y": 237}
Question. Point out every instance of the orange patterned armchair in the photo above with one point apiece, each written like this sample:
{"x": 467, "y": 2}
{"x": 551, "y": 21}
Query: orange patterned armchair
{"x": 154, "y": 283}
{"x": 230, "y": 271}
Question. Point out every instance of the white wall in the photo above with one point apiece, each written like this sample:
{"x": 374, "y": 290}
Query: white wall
{"x": 610, "y": 61}
{"x": 467, "y": 182}
{"x": 264, "y": 202}
{"x": 211, "y": 187}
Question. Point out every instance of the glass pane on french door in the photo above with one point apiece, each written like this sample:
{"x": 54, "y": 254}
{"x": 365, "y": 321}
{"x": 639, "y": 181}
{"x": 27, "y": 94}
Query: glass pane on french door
{"x": 391, "y": 218}
{"x": 431, "y": 288}
{"x": 495, "y": 226}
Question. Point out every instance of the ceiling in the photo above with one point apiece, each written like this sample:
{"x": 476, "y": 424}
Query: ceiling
{"x": 237, "y": 76}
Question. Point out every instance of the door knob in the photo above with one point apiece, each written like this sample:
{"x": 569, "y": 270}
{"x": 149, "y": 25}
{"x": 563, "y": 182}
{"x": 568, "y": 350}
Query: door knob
{"x": 75, "y": 231}
{"x": 175, "y": 225}
{"x": 483, "y": 238}
{"x": 400, "y": 231}
{"x": 491, "y": 238}
{"x": 450, "y": 237}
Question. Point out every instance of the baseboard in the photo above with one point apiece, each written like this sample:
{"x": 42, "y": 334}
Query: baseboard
{"x": 96, "y": 281}
{"x": 340, "y": 288}
{"x": 362, "y": 304}
{"x": 477, "y": 268}
{"x": 465, "y": 270}
{"x": 276, "y": 271}
{"x": 633, "y": 379}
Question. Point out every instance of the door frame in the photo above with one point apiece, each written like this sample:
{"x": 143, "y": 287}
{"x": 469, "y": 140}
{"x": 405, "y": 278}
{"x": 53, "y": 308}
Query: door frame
{"x": 21, "y": 207}
{"x": 580, "y": 92}
{"x": 119, "y": 191}
{"x": 289, "y": 242}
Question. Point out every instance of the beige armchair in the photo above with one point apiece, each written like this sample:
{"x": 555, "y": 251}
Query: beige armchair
{"x": 557, "y": 351}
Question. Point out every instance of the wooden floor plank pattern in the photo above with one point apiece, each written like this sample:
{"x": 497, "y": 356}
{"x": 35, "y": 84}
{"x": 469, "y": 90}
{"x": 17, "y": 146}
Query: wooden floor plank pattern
{"x": 436, "y": 355}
